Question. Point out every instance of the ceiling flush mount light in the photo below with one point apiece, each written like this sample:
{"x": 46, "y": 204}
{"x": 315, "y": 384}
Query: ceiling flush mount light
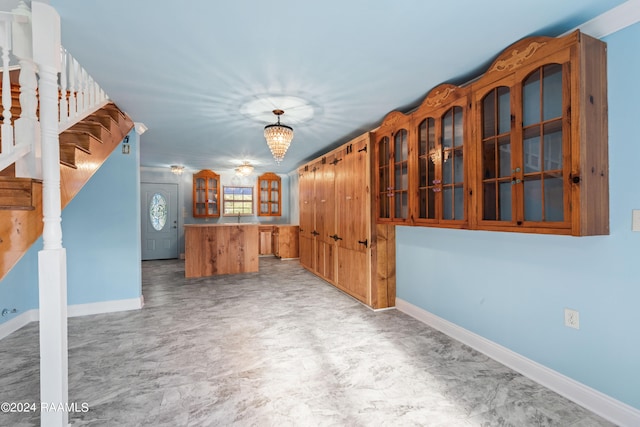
{"x": 278, "y": 137}
{"x": 177, "y": 170}
{"x": 245, "y": 169}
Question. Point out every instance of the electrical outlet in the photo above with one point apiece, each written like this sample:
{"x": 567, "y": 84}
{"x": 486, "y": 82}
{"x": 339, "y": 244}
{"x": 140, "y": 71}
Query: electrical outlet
{"x": 571, "y": 318}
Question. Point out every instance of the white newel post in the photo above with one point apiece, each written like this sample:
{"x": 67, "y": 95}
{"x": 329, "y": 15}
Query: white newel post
{"x": 52, "y": 265}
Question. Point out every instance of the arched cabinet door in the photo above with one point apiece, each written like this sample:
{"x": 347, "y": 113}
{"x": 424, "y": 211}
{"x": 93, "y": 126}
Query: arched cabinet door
{"x": 269, "y": 195}
{"x": 206, "y": 194}
{"x": 441, "y": 155}
{"x": 392, "y": 169}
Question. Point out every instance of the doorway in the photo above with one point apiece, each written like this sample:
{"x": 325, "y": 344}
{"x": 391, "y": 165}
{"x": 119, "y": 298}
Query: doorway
{"x": 159, "y": 223}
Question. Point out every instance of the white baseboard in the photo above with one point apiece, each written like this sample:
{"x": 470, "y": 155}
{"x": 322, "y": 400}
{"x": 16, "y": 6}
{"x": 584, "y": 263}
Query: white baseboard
{"x": 599, "y": 403}
{"x": 105, "y": 307}
{"x": 23, "y": 319}
{"x": 10, "y": 326}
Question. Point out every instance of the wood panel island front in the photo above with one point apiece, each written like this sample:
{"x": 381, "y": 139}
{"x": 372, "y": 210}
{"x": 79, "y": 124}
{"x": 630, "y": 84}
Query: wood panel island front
{"x": 212, "y": 249}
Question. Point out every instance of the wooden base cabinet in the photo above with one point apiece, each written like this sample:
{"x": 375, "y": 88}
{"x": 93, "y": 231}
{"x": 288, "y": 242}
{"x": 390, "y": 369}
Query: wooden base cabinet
{"x": 266, "y": 239}
{"x": 338, "y": 236}
{"x": 285, "y": 241}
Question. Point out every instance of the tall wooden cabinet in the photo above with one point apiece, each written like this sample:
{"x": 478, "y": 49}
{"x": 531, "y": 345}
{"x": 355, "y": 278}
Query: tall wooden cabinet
{"x": 338, "y": 237}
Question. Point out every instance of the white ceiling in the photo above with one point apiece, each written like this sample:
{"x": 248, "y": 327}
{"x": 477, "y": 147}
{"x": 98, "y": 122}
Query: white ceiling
{"x": 204, "y": 75}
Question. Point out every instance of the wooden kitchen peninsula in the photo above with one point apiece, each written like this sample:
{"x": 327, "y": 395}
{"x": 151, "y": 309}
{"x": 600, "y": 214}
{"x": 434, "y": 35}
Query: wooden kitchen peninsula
{"x": 212, "y": 249}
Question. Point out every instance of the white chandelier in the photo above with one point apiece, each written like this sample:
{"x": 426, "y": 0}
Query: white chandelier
{"x": 278, "y": 137}
{"x": 245, "y": 169}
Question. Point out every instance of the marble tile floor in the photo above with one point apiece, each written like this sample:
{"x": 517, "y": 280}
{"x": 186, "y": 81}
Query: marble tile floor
{"x": 275, "y": 348}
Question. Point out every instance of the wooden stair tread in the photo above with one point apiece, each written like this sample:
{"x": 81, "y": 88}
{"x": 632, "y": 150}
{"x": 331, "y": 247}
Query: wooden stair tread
{"x": 68, "y": 154}
{"x": 81, "y": 139}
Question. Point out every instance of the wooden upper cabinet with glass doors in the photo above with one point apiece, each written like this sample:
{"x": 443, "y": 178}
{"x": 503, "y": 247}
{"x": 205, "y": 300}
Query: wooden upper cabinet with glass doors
{"x": 439, "y": 180}
{"x": 206, "y": 194}
{"x": 392, "y": 168}
{"x": 522, "y": 148}
{"x": 541, "y": 139}
{"x": 269, "y": 195}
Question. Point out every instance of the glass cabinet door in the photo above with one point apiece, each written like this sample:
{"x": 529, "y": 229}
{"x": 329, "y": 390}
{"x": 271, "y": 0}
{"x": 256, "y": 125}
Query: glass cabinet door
{"x": 497, "y": 183}
{"x": 452, "y": 165}
{"x": 401, "y": 174}
{"x": 206, "y": 193}
{"x": 542, "y": 147}
{"x": 428, "y": 157}
{"x": 269, "y": 194}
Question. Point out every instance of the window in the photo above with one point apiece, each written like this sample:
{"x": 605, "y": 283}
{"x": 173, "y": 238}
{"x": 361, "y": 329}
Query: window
{"x": 238, "y": 200}
{"x": 158, "y": 211}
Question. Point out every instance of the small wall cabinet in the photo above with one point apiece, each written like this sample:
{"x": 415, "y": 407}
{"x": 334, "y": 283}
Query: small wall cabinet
{"x": 206, "y": 194}
{"x": 269, "y": 195}
{"x": 521, "y": 148}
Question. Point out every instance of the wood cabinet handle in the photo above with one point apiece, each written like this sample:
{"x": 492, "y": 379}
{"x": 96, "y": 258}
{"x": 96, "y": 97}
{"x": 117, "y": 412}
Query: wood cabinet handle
{"x": 335, "y": 237}
{"x": 364, "y": 242}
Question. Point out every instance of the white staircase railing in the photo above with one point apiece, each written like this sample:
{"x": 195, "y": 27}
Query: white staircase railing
{"x": 79, "y": 94}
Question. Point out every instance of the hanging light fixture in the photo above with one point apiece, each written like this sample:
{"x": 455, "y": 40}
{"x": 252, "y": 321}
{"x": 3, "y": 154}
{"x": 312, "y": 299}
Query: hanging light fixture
{"x": 245, "y": 169}
{"x": 177, "y": 170}
{"x": 278, "y": 137}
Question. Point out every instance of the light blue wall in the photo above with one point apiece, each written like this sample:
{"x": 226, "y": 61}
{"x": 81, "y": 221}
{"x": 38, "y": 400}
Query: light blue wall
{"x": 512, "y": 288}
{"x": 101, "y": 232}
{"x": 19, "y": 288}
{"x": 100, "y": 229}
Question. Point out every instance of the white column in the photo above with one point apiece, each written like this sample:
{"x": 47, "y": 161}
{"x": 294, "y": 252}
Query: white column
{"x": 52, "y": 265}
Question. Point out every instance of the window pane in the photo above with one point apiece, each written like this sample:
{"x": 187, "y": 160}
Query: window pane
{"x": 422, "y": 194}
{"x": 401, "y": 149}
{"x": 158, "y": 211}
{"x": 447, "y": 130}
{"x": 533, "y": 199}
{"x": 553, "y": 146}
{"x": 504, "y": 153}
{"x": 422, "y": 171}
{"x": 489, "y": 160}
{"x": 552, "y": 91}
{"x": 447, "y": 203}
{"x": 505, "y": 201}
{"x": 447, "y": 169}
{"x": 432, "y": 204}
{"x": 383, "y": 151}
{"x": 531, "y": 99}
{"x": 504, "y": 110}
{"x": 458, "y": 168}
{"x": 401, "y": 205}
{"x": 239, "y": 200}
{"x": 401, "y": 177}
{"x": 553, "y": 198}
{"x": 531, "y": 150}
{"x": 422, "y": 137}
{"x": 458, "y": 129}
{"x": 458, "y": 193}
{"x": 489, "y": 115}
{"x": 489, "y": 201}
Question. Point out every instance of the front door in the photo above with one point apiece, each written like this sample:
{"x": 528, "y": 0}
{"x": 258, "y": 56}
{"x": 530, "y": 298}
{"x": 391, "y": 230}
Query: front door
{"x": 159, "y": 221}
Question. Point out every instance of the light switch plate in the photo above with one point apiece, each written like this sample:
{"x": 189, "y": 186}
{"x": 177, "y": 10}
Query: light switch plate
{"x": 635, "y": 220}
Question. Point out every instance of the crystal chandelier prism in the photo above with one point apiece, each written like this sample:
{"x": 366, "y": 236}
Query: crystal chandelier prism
{"x": 278, "y": 137}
